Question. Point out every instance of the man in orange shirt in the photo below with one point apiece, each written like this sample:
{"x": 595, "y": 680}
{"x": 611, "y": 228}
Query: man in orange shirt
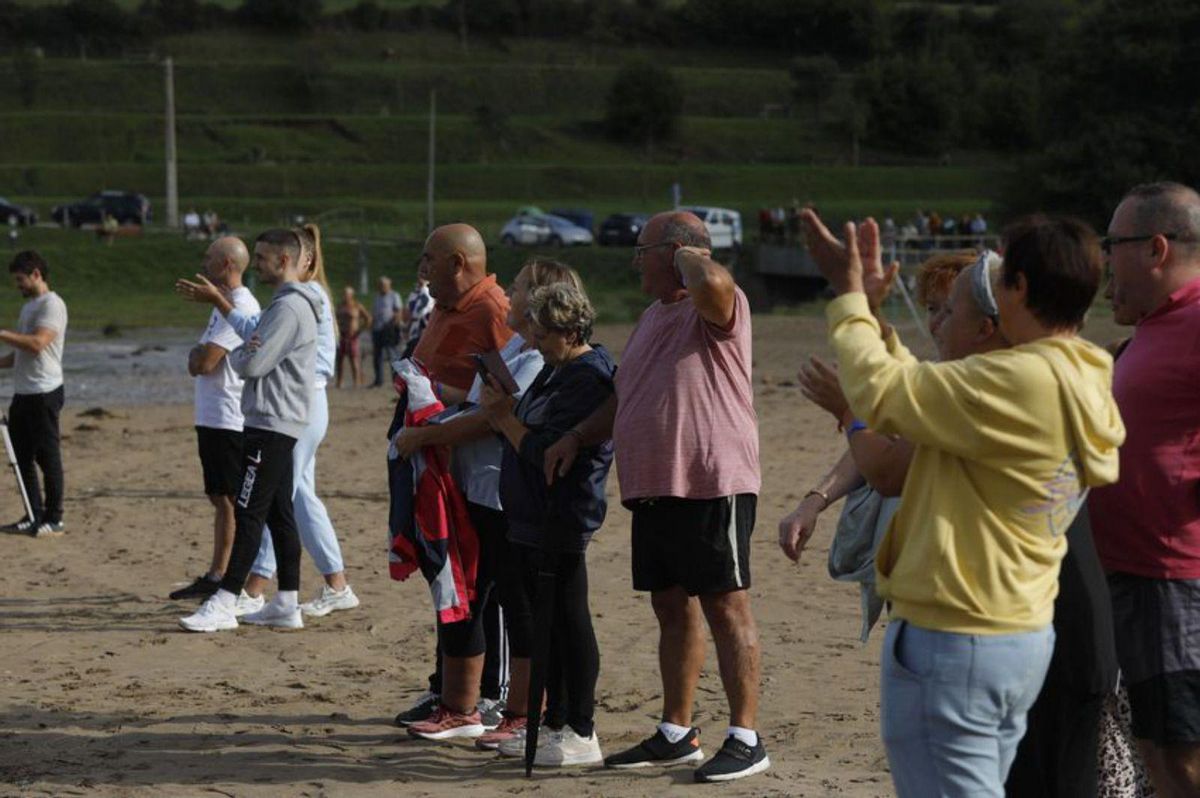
{"x": 469, "y": 318}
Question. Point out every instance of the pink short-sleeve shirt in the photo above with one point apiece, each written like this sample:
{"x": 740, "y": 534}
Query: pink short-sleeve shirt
{"x": 685, "y": 424}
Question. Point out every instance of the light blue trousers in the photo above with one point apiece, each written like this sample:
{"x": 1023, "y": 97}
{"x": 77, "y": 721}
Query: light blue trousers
{"x": 953, "y": 707}
{"x": 312, "y": 520}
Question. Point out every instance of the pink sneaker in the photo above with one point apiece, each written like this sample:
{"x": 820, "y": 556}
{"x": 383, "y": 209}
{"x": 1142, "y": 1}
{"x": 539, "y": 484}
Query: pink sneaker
{"x": 446, "y": 724}
{"x": 510, "y": 728}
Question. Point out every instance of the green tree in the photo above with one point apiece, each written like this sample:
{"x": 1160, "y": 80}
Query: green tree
{"x": 643, "y": 104}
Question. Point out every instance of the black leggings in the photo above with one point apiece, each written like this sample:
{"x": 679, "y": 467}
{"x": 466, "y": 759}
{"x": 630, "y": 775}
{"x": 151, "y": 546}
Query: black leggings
{"x": 33, "y": 425}
{"x": 265, "y": 497}
{"x": 574, "y": 664}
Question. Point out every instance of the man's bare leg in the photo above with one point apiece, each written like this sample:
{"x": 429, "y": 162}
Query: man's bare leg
{"x": 460, "y": 682}
{"x": 738, "y": 654}
{"x": 680, "y": 651}
{"x": 1174, "y": 770}
{"x": 224, "y": 525}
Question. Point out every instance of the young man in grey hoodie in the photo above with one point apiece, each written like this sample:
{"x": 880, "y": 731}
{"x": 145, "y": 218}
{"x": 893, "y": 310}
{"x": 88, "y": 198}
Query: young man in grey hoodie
{"x": 278, "y": 365}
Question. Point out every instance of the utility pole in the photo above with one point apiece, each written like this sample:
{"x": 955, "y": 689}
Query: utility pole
{"x": 172, "y": 177}
{"x": 432, "y": 158}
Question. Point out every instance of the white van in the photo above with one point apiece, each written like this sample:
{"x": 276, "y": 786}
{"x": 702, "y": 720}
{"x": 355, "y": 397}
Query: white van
{"x": 724, "y": 225}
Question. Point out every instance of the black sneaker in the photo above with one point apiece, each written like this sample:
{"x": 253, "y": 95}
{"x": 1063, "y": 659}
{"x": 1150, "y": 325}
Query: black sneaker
{"x": 735, "y": 760}
{"x": 658, "y": 750}
{"x": 23, "y": 527}
{"x": 202, "y": 588}
{"x": 422, "y": 710}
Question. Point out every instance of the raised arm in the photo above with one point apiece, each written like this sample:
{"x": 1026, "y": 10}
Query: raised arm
{"x": 709, "y": 284}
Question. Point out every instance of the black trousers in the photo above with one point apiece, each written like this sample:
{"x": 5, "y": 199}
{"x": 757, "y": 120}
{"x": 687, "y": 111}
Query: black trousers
{"x": 574, "y": 664}
{"x": 379, "y": 345}
{"x": 265, "y": 498}
{"x": 484, "y": 631}
{"x": 1057, "y": 757}
{"x": 33, "y": 426}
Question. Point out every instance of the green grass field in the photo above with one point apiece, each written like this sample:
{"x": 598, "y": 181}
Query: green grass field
{"x": 130, "y": 284}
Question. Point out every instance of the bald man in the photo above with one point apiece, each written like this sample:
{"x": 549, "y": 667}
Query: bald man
{"x": 686, "y": 438}
{"x": 219, "y": 407}
{"x": 469, "y": 317}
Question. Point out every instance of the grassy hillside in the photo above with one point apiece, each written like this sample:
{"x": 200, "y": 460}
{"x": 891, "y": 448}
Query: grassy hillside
{"x": 333, "y": 126}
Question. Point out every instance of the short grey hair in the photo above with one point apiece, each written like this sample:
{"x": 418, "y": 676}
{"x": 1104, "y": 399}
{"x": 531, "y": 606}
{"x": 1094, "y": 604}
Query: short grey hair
{"x": 563, "y": 308}
{"x": 689, "y": 235}
{"x": 1168, "y": 208}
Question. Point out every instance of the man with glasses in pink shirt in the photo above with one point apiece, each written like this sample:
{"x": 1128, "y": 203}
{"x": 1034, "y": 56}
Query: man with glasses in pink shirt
{"x": 686, "y": 438}
{"x": 1147, "y": 525}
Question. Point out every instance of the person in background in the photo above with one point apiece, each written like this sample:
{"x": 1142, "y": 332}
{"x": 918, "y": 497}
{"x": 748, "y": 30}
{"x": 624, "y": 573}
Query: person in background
{"x": 386, "y": 320}
{"x": 417, "y": 309}
{"x": 36, "y": 361}
{"x": 352, "y": 319}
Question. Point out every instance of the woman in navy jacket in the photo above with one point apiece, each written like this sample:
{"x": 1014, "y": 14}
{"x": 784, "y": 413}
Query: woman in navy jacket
{"x": 558, "y": 520}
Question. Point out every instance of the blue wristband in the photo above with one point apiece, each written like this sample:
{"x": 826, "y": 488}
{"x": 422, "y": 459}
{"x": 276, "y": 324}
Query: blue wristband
{"x": 855, "y": 426}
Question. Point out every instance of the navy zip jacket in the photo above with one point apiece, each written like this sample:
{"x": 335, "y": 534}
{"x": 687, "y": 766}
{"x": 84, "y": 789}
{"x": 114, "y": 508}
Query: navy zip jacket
{"x": 558, "y": 399}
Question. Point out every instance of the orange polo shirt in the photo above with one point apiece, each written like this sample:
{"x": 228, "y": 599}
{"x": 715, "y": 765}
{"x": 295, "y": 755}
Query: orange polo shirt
{"x": 476, "y": 324}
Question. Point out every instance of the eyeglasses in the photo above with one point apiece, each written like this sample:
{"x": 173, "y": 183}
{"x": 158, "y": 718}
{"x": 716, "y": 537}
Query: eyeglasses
{"x": 640, "y": 250}
{"x": 1108, "y": 242}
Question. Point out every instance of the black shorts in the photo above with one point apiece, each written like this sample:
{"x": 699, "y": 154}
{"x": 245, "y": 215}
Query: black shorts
{"x": 221, "y": 460}
{"x": 1157, "y": 623}
{"x": 701, "y": 545}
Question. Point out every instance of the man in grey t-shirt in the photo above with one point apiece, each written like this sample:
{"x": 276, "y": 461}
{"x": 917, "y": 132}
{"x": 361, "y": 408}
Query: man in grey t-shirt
{"x": 36, "y": 361}
{"x": 386, "y": 313}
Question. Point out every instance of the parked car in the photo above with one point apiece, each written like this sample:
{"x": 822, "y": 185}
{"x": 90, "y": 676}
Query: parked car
{"x": 126, "y": 207}
{"x": 13, "y": 214}
{"x": 621, "y": 229}
{"x": 533, "y": 230}
{"x": 724, "y": 226}
{"x": 580, "y": 217}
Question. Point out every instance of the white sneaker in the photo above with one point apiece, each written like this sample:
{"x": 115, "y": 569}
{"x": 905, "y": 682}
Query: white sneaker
{"x": 565, "y": 747}
{"x": 275, "y": 616}
{"x": 213, "y": 616}
{"x": 515, "y": 746}
{"x": 330, "y": 600}
{"x": 247, "y": 604}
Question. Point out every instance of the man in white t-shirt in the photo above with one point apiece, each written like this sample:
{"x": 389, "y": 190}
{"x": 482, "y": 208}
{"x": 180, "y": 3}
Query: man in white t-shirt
{"x": 219, "y": 407}
{"x": 36, "y": 361}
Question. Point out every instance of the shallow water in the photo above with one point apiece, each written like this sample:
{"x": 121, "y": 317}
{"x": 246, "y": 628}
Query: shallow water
{"x": 137, "y": 367}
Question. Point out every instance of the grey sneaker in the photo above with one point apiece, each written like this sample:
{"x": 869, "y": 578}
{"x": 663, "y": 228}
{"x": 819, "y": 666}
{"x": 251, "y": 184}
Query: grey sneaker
{"x": 422, "y": 710}
{"x": 49, "y": 529}
{"x": 491, "y": 712}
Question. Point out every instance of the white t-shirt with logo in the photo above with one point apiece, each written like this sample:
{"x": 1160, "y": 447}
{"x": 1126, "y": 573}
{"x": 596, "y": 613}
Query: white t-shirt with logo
{"x": 219, "y": 393}
{"x": 40, "y": 373}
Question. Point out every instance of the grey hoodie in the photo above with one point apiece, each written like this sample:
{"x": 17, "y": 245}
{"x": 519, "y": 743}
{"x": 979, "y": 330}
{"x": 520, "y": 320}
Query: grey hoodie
{"x": 280, "y": 372}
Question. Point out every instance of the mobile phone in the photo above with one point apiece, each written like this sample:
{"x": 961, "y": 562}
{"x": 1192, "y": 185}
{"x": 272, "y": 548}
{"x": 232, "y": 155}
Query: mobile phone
{"x": 490, "y": 364}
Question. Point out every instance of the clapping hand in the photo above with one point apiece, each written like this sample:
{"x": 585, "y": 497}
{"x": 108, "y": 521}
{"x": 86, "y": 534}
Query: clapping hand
{"x": 819, "y": 383}
{"x": 877, "y": 281}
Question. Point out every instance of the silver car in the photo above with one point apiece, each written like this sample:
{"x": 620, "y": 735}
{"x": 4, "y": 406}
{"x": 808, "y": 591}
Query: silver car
{"x": 534, "y": 230}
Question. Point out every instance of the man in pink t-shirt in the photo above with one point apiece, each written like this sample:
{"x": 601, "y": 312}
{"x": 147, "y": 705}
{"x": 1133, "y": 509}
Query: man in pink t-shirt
{"x": 686, "y": 440}
{"x": 1147, "y": 525}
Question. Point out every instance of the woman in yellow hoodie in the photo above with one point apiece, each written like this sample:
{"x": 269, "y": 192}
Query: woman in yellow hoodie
{"x": 1007, "y": 444}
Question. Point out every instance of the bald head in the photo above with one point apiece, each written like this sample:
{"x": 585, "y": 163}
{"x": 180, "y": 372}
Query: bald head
{"x": 454, "y": 261}
{"x": 225, "y": 260}
{"x": 680, "y": 227}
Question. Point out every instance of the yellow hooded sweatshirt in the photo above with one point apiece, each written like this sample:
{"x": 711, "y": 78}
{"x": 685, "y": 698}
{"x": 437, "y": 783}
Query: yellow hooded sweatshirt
{"x": 1005, "y": 445}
